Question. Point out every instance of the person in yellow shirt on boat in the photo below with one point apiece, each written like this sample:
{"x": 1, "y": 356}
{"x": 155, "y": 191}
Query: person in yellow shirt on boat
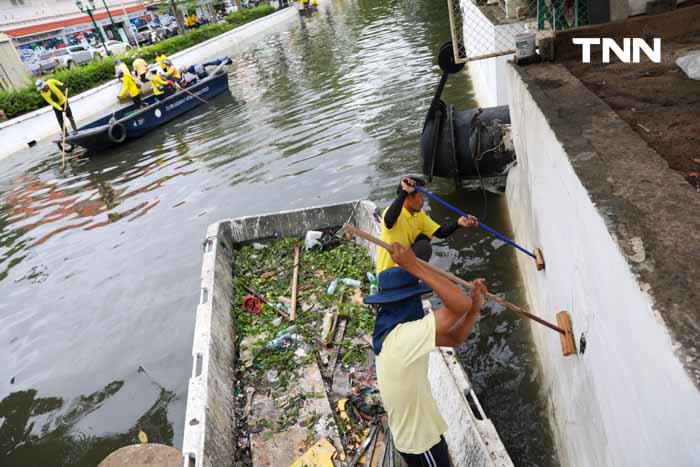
{"x": 161, "y": 87}
{"x": 160, "y": 60}
{"x": 129, "y": 86}
{"x": 171, "y": 72}
{"x": 403, "y": 338}
{"x": 140, "y": 68}
{"x": 406, "y": 223}
{"x": 119, "y": 65}
{"x": 51, "y": 93}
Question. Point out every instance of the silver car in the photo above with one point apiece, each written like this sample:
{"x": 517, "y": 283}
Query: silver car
{"x": 70, "y": 57}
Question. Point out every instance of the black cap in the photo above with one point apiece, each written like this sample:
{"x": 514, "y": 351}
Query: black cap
{"x": 419, "y": 182}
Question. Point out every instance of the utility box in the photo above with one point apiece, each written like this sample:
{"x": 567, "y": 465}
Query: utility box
{"x": 13, "y": 73}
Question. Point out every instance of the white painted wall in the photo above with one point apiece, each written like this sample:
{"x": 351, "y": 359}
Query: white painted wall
{"x": 41, "y": 124}
{"x": 487, "y": 77}
{"x": 627, "y": 401}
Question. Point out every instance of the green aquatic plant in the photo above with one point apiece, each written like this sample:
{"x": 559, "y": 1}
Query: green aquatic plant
{"x": 268, "y": 271}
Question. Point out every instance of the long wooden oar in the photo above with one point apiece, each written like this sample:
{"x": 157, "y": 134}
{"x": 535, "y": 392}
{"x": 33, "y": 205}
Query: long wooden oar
{"x": 188, "y": 92}
{"x": 63, "y": 146}
{"x": 494, "y": 298}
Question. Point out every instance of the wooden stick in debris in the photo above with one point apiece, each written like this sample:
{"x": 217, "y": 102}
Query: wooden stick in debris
{"x": 330, "y": 369}
{"x": 494, "y": 298}
{"x": 295, "y": 280}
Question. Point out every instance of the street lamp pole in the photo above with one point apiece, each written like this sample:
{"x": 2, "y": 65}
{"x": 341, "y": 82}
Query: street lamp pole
{"x": 114, "y": 26}
{"x": 88, "y": 9}
{"x": 128, "y": 25}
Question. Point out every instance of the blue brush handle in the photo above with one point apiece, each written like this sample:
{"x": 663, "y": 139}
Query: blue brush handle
{"x": 483, "y": 226}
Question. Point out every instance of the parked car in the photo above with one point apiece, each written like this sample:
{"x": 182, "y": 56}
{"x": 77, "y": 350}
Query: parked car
{"x": 144, "y": 34}
{"x": 69, "y": 57}
{"x": 168, "y": 27}
{"x": 30, "y": 60}
{"x": 114, "y": 47}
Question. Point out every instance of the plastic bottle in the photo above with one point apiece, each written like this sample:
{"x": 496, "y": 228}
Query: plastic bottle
{"x": 331, "y": 288}
{"x": 277, "y": 342}
{"x": 373, "y": 283}
{"x": 351, "y": 282}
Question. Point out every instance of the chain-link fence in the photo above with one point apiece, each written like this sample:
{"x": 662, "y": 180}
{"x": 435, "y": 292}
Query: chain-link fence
{"x": 485, "y": 30}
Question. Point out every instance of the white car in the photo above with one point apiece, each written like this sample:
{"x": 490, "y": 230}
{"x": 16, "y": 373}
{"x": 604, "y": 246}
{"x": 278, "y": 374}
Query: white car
{"x": 114, "y": 47}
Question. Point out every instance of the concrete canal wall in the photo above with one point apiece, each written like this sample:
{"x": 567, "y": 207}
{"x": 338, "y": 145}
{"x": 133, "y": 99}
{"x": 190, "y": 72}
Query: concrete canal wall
{"x": 16, "y": 133}
{"x": 620, "y": 235}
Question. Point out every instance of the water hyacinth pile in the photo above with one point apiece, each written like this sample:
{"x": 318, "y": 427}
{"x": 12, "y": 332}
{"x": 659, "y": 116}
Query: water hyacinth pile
{"x": 269, "y": 364}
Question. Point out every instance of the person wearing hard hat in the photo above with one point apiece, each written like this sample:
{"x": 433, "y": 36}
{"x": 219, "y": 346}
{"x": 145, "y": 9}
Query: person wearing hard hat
{"x": 160, "y": 60}
{"x": 171, "y": 72}
{"x": 119, "y": 65}
{"x": 161, "y": 87}
{"x": 140, "y": 68}
{"x": 51, "y": 93}
{"x": 129, "y": 86}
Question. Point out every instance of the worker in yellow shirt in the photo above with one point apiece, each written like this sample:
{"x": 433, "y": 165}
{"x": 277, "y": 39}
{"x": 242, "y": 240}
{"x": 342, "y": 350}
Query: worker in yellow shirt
{"x": 51, "y": 93}
{"x": 161, "y": 87}
{"x": 171, "y": 72}
{"x": 406, "y": 223}
{"x": 160, "y": 59}
{"x": 119, "y": 65}
{"x": 140, "y": 68}
{"x": 129, "y": 86}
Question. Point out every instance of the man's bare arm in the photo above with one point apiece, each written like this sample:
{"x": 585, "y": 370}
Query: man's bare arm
{"x": 454, "y": 322}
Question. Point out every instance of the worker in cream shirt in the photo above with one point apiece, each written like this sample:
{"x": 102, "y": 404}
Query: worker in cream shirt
{"x": 403, "y": 339}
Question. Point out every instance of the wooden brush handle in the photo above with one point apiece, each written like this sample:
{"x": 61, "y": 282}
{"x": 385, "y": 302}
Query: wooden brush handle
{"x": 494, "y": 298}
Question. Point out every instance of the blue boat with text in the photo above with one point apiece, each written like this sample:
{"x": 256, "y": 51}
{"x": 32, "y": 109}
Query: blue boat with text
{"x": 130, "y": 123}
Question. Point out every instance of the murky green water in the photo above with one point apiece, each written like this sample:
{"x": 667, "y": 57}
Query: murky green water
{"x": 99, "y": 265}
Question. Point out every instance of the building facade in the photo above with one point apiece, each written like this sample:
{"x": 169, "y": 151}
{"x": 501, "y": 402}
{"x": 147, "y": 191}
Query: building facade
{"x": 42, "y": 26}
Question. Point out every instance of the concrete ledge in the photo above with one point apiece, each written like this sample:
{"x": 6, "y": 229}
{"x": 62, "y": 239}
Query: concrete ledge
{"x": 621, "y": 238}
{"x": 673, "y": 24}
{"x": 41, "y": 124}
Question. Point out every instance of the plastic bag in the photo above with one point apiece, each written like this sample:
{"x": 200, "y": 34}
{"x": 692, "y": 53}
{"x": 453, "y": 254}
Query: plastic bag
{"x": 690, "y": 64}
{"x": 311, "y": 241}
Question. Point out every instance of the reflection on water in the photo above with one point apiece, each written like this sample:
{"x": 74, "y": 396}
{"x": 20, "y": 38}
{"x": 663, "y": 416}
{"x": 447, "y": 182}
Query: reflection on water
{"x": 20, "y": 441}
{"x": 99, "y": 265}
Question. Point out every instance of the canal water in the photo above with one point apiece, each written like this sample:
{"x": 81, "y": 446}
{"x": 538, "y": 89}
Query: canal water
{"x": 99, "y": 265}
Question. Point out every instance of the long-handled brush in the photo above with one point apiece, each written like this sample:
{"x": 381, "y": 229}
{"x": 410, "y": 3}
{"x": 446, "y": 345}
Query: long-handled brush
{"x": 536, "y": 254}
{"x": 563, "y": 321}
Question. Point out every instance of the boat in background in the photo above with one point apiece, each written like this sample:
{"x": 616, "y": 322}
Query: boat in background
{"x": 129, "y": 123}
